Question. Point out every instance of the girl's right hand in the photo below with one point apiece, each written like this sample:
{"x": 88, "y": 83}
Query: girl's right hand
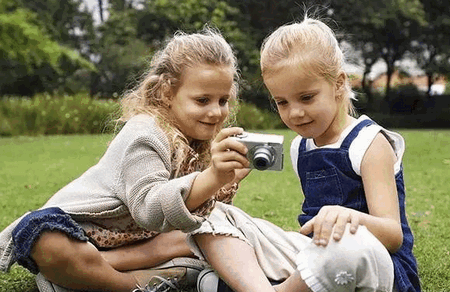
{"x": 228, "y": 155}
{"x": 330, "y": 222}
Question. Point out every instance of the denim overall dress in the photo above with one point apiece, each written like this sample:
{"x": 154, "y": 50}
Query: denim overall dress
{"x": 327, "y": 178}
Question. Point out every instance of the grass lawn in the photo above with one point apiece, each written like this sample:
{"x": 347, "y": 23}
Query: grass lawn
{"x": 33, "y": 168}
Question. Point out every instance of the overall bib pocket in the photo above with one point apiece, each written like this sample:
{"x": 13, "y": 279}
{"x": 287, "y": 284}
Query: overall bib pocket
{"x": 323, "y": 188}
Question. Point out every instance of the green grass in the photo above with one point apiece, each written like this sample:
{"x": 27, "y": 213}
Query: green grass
{"x": 33, "y": 168}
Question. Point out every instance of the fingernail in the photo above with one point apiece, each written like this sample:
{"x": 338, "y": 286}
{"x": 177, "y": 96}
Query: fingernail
{"x": 323, "y": 242}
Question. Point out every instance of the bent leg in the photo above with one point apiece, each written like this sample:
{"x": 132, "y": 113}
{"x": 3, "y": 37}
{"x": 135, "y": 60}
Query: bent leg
{"x": 77, "y": 265}
{"x": 235, "y": 261}
{"x": 149, "y": 253}
{"x": 247, "y": 251}
{"x": 358, "y": 262}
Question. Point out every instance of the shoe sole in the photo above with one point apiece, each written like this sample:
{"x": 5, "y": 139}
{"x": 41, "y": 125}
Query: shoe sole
{"x": 184, "y": 262}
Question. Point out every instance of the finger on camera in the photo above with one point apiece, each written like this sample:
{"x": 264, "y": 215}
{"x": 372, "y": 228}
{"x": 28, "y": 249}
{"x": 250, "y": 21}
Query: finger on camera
{"x": 235, "y": 156}
{"x": 237, "y": 146}
{"x": 227, "y": 132}
{"x": 230, "y": 165}
{"x": 231, "y": 144}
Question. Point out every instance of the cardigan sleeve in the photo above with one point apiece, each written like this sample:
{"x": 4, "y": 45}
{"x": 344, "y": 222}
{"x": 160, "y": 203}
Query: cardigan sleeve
{"x": 154, "y": 199}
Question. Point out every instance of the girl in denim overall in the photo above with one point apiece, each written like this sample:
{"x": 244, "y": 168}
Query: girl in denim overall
{"x": 354, "y": 232}
{"x": 350, "y": 169}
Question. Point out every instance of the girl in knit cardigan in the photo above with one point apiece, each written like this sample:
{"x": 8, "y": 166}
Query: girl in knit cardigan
{"x": 159, "y": 177}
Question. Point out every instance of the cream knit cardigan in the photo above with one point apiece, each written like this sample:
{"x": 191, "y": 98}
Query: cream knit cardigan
{"x": 133, "y": 176}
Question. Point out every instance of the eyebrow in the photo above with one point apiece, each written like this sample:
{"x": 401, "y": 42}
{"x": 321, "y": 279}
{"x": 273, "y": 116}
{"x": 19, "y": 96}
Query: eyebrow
{"x": 301, "y": 93}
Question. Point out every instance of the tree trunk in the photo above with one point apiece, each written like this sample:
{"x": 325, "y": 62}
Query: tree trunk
{"x": 100, "y": 9}
{"x": 430, "y": 83}
{"x": 367, "y": 88}
{"x": 389, "y": 72}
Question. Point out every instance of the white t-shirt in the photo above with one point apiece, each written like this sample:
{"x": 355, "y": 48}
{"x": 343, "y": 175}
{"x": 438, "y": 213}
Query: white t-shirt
{"x": 359, "y": 145}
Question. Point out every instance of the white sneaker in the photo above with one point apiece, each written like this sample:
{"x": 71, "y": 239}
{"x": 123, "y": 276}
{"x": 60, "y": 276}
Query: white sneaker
{"x": 207, "y": 281}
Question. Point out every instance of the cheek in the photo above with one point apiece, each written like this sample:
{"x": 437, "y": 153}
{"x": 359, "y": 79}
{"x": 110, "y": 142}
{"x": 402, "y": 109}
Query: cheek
{"x": 225, "y": 112}
{"x": 284, "y": 114}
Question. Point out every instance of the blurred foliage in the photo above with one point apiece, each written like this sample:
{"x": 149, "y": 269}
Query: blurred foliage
{"x": 31, "y": 59}
{"x": 48, "y": 115}
{"x": 407, "y": 99}
{"x": 53, "y": 46}
{"x": 252, "y": 117}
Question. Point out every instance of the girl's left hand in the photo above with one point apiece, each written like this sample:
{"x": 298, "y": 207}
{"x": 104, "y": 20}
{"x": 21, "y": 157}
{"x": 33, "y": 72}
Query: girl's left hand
{"x": 331, "y": 221}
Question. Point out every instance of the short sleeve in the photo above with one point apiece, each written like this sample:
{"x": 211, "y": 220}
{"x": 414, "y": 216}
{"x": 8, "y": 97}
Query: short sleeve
{"x": 294, "y": 152}
{"x": 358, "y": 148}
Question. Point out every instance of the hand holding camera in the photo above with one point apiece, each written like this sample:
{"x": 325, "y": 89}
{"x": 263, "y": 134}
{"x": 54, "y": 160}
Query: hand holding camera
{"x": 265, "y": 151}
{"x": 233, "y": 151}
{"x": 228, "y": 156}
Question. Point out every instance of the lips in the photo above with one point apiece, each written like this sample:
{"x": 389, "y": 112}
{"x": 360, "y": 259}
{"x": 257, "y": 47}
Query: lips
{"x": 208, "y": 124}
{"x": 303, "y": 124}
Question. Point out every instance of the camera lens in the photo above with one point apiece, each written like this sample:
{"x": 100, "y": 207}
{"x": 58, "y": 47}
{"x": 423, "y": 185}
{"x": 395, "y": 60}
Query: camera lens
{"x": 263, "y": 158}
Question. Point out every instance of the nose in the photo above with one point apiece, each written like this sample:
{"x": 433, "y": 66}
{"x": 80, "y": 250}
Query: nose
{"x": 296, "y": 112}
{"x": 215, "y": 111}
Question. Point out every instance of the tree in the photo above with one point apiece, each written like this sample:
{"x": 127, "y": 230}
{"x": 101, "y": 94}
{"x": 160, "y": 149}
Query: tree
{"x": 120, "y": 55}
{"x": 63, "y": 20}
{"x": 256, "y": 20}
{"x": 26, "y": 50}
{"x": 432, "y": 47}
{"x": 380, "y": 29}
{"x": 134, "y": 32}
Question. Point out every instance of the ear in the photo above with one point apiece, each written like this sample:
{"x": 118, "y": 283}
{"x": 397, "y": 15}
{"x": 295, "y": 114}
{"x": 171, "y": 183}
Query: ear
{"x": 341, "y": 80}
{"x": 167, "y": 93}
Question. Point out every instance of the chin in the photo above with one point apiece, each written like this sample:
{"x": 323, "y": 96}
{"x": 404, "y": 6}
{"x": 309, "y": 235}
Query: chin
{"x": 204, "y": 137}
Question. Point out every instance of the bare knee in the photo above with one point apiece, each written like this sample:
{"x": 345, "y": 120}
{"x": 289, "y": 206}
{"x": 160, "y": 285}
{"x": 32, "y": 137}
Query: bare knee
{"x": 50, "y": 249}
{"x": 54, "y": 250}
{"x": 203, "y": 240}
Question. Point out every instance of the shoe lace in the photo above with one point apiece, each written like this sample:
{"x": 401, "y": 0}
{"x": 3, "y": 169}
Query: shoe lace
{"x": 164, "y": 286}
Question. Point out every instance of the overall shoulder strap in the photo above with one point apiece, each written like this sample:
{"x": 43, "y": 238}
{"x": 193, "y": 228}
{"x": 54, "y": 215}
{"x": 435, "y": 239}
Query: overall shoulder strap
{"x": 302, "y": 146}
{"x": 354, "y": 132}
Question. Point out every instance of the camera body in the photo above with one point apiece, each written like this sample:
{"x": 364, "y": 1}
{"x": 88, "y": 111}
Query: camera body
{"x": 265, "y": 151}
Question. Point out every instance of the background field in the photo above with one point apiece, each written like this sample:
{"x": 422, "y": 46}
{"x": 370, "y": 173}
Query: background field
{"x": 33, "y": 168}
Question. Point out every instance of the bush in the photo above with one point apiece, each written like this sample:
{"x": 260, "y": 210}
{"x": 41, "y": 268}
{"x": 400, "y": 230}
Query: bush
{"x": 252, "y": 117}
{"x": 406, "y": 99}
{"x": 80, "y": 114}
{"x": 48, "y": 115}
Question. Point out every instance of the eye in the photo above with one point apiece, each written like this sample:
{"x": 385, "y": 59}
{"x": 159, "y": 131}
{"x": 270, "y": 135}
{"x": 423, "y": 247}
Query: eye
{"x": 281, "y": 102}
{"x": 307, "y": 97}
{"x": 202, "y": 100}
{"x": 223, "y": 101}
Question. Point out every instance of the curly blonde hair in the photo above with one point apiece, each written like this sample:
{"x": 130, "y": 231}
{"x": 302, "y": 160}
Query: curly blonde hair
{"x": 311, "y": 45}
{"x": 162, "y": 79}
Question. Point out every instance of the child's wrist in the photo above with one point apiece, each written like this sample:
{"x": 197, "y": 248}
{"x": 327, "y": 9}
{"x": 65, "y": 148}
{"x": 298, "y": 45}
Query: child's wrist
{"x": 214, "y": 178}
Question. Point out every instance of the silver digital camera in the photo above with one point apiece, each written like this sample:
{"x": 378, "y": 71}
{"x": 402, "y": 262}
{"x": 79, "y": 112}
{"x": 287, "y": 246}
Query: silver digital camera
{"x": 265, "y": 151}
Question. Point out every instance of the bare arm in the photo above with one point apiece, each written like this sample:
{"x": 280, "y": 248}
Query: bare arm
{"x": 377, "y": 171}
{"x": 383, "y": 220}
